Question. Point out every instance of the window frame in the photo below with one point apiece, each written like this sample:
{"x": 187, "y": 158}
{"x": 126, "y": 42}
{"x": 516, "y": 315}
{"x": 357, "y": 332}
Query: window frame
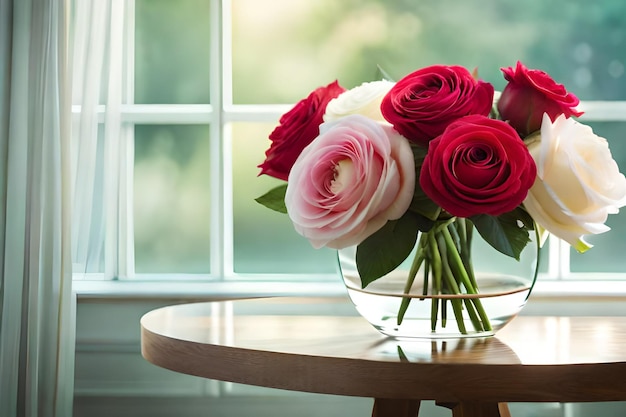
{"x": 120, "y": 279}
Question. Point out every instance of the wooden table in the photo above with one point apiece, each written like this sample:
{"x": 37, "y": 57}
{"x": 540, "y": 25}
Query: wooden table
{"x": 533, "y": 359}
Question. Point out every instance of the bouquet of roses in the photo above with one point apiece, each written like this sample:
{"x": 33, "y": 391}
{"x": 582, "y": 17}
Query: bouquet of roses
{"x": 427, "y": 159}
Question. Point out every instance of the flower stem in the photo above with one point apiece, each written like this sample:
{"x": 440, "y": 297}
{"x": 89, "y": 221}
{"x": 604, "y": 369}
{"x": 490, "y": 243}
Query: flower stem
{"x": 465, "y": 230}
{"x": 457, "y": 304}
{"x": 471, "y": 311}
{"x": 459, "y": 233}
{"x": 444, "y": 312}
{"x": 452, "y": 254}
{"x": 465, "y": 280}
{"x": 456, "y": 238}
{"x": 415, "y": 266}
{"x": 445, "y": 252}
{"x": 434, "y": 312}
{"x": 435, "y": 262}
{"x": 427, "y": 269}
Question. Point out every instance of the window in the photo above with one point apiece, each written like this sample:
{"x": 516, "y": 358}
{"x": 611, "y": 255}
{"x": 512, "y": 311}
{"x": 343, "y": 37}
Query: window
{"x": 205, "y": 82}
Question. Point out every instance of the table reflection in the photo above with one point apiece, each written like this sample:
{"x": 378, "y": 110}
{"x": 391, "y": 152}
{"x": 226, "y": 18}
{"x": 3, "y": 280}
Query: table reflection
{"x": 475, "y": 350}
{"x": 526, "y": 340}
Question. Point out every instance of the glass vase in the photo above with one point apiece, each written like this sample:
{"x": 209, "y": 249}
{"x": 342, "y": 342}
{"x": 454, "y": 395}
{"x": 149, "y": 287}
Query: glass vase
{"x": 416, "y": 304}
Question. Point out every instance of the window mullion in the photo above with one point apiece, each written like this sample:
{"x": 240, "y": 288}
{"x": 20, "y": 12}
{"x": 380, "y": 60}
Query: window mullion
{"x": 597, "y": 111}
{"x": 603, "y": 111}
{"x": 167, "y": 113}
{"x": 123, "y": 220}
{"x": 217, "y": 163}
{"x": 114, "y": 149}
{"x": 225, "y": 62}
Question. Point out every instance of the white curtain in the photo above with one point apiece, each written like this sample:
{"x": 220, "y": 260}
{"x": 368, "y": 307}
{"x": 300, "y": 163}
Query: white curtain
{"x": 100, "y": 150}
{"x": 63, "y": 150}
{"x": 36, "y": 302}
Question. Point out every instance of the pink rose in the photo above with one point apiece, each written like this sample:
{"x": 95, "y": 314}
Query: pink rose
{"x": 531, "y": 93}
{"x": 421, "y": 105}
{"x": 296, "y": 130}
{"x": 349, "y": 182}
{"x": 477, "y": 166}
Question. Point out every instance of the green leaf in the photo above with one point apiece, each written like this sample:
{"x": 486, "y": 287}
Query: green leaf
{"x": 274, "y": 199}
{"x": 382, "y": 74}
{"x": 421, "y": 203}
{"x": 503, "y": 233}
{"x": 424, "y": 224}
{"x": 522, "y": 215}
{"x": 383, "y": 251}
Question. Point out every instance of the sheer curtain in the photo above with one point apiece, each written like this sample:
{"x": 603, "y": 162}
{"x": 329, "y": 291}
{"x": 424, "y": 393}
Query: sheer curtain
{"x": 101, "y": 153}
{"x": 36, "y": 302}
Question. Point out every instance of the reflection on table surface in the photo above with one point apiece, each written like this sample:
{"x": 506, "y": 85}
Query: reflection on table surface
{"x": 311, "y": 327}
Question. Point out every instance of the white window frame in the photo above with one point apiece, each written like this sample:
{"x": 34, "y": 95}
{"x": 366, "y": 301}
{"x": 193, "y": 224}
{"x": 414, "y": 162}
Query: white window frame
{"x": 122, "y": 281}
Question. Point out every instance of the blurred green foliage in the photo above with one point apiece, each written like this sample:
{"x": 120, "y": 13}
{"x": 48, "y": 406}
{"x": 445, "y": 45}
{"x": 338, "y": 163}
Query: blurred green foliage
{"x": 283, "y": 49}
{"x": 172, "y": 51}
{"x": 581, "y": 44}
{"x": 171, "y": 199}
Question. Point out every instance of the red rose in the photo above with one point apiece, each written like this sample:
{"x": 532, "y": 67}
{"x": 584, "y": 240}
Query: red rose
{"x": 421, "y": 105}
{"x": 298, "y": 127}
{"x": 477, "y": 166}
{"x": 531, "y": 93}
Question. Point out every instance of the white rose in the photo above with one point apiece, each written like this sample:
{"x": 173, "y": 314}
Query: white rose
{"x": 364, "y": 100}
{"x": 578, "y": 183}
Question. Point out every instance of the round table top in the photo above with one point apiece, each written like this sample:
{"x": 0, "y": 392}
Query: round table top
{"x": 258, "y": 342}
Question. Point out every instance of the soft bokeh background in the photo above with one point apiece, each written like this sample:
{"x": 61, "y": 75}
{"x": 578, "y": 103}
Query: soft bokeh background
{"x": 283, "y": 49}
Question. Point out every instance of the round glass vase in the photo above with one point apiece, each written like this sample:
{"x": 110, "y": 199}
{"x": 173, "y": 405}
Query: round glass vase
{"x": 421, "y": 308}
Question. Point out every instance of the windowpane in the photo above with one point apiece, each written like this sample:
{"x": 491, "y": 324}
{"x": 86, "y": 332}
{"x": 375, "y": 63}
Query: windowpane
{"x": 282, "y": 49}
{"x": 172, "y": 52}
{"x": 90, "y": 223}
{"x": 172, "y": 204}
{"x": 607, "y": 255}
{"x": 264, "y": 240}
{"x": 303, "y": 44}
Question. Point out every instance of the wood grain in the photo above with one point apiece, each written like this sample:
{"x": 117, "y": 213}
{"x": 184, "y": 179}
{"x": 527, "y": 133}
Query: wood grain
{"x": 397, "y": 408}
{"x": 533, "y": 359}
{"x": 471, "y": 409}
